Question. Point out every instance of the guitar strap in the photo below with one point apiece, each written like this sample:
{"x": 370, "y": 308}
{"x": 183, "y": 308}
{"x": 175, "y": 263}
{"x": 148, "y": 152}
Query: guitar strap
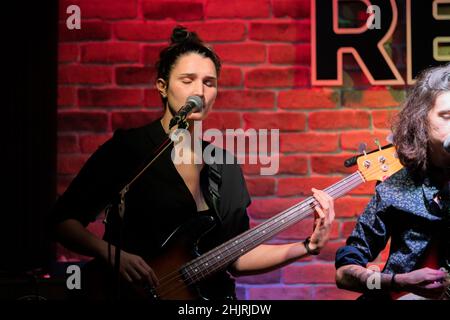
{"x": 214, "y": 183}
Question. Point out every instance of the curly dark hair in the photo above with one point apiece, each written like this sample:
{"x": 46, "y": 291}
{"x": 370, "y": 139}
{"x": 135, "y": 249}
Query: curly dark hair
{"x": 410, "y": 127}
{"x": 182, "y": 42}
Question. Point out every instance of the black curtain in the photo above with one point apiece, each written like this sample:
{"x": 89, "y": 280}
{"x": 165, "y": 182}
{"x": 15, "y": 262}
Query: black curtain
{"x": 30, "y": 79}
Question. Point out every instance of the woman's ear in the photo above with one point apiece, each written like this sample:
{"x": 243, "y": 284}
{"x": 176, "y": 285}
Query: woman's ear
{"x": 161, "y": 85}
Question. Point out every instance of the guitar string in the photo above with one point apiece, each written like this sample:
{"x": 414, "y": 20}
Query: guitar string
{"x": 333, "y": 190}
{"x": 219, "y": 264}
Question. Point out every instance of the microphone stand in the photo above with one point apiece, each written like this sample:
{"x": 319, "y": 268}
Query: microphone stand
{"x": 182, "y": 124}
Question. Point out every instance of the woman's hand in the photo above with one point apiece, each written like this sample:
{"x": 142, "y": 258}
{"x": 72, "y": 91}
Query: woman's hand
{"x": 323, "y": 220}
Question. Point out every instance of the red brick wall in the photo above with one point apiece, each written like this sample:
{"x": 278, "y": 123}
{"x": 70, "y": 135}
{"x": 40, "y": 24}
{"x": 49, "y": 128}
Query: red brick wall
{"x": 106, "y": 78}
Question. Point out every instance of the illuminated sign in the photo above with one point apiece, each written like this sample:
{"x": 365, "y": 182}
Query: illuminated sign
{"x": 427, "y": 33}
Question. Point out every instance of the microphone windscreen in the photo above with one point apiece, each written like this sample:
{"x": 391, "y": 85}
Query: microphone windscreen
{"x": 446, "y": 144}
{"x": 196, "y": 101}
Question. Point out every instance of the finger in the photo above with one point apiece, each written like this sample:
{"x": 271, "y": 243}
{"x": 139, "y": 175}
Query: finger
{"x": 151, "y": 276}
{"x": 435, "y": 285}
{"x": 135, "y": 276}
{"x": 435, "y": 276}
{"x": 143, "y": 271}
{"x": 320, "y": 213}
{"x": 319, "y": 222}
{"x": 127, "y": 277}
{"x": 323, "y": 201}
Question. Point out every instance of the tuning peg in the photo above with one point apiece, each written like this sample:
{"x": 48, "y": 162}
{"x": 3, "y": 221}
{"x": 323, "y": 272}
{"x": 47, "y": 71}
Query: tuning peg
{"x": 390, "y": 138}
{"x": 362, "y": 148}
{"x": 377, "y": 142}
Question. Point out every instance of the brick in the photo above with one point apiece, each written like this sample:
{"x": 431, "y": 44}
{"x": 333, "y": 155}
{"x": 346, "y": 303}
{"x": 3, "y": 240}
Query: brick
{"x": 347, "y": 228}
{"x": 352, "y": 140}
{"x": 331, "y": 164}
{"x": 266, "y": 208}
{"x": 177, "y": 10}
{"x": 252, "y": 142}
{"x": 150, "y": 53}
{"x": 90, "y": 143}
{"x": 70, "y": 164}
{"x": 280, "y": 293}
{"x": 308, "y": 99}
{"x": 299, "y": 231}
{"x": 68, "y": 52}
{"x": 213, "y": 31}
{"x": 342, "y": 119}
{"x": 241, "y": 52}
{"x": 308, "y": 142}
{"x": 66, "y": 96}
{"x": 110, "y": 97}
{"x": 297, "y": 9}
{"x": 260, "y": 186}
{"x": 292, "y": 164}
{"x": 264, "y": 278}
{"x": 383, "y": 119}
{"x": 110, "y": 52}
{"x": 303, "y": 229}
{"x": 237, "y": 9}
{"x": 253, "y": 168}
{"x": 152, "y": 99}
{"x": 349, "y": 207}
{"x": 281, "y": 31}
{"x": 90, "y": 31}
{"x": 222, "y": 120}
{"x": 328, "y": 253}
{"x": 355, "y": 80}
{"x": 241, "y": 293}
{"x": 143, "y": 31}
{"x": 240, "y": 99}
{"x": 230, "y": 77}
{"x": 277, "y": 77}
{"x": 302, "y": 186}
{"x": 284, "y": 121}
{"x": 100, "y": 9}
{"x": 63, "y": 183}
{"x": 135, "y": 75}
{"x": 82, "y": 121}
{"x": 68, "y": 143}
{"x": 312, "y": 273}
{"x": 290, "y": 54}
{"x": 133, "y": 119}
{"x": 97, "y": 228}
{"x": 82, "y": 74}
{"x": 372, "y": 98}
{"x": 333, "y": 293}
{"x": 366, "y": 189}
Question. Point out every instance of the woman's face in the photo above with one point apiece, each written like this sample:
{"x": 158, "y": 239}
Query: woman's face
{"x": 439, "y": 129}
{"x": 192, "y": 75}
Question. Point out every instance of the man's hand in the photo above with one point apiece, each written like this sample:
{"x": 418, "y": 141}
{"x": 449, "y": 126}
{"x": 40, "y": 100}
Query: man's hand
{"x": 425, "y": 282}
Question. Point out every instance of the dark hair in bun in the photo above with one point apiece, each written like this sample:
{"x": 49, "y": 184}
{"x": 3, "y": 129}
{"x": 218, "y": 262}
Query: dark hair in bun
{"x": 182, "y": 42}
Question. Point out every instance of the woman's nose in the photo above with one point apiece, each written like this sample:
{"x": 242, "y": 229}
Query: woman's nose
{"x": 198, "y": 89}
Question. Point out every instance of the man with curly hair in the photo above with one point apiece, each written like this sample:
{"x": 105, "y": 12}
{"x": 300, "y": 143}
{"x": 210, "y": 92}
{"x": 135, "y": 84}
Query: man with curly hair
{"x": 411, "y": 208}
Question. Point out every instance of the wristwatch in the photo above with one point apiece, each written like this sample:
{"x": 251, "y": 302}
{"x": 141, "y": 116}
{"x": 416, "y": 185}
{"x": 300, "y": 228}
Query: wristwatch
{"x": 314, "y": 252}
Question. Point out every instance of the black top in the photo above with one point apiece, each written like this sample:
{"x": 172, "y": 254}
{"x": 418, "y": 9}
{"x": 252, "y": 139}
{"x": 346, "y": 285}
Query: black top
{"x": 158, "y": 202}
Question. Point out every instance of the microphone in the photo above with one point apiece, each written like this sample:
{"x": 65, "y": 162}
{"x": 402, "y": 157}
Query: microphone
{"x": 446, "y": 144}
{"x": 193, "y": 104}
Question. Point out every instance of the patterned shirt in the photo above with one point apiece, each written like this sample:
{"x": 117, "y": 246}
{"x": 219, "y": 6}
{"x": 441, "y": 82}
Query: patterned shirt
{"x": 406, "y": 213}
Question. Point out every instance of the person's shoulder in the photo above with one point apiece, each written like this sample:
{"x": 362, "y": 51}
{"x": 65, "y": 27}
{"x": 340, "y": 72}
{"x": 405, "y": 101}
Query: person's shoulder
{"x": 401, "y": 180}
{"x": 137, "y": 137}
